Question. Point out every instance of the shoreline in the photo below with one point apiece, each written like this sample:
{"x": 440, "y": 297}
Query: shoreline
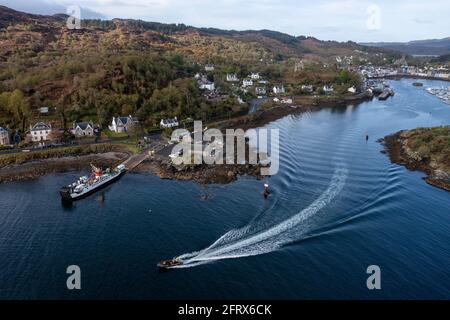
{"x": 34, "y": 169}
{"x": 406, "y": 76}
{"x": 395, "y": 148}
{"x": 160, "y": 165}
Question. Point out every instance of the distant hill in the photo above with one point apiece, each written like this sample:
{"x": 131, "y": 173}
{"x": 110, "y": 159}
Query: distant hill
{"x": 434, "y": 47}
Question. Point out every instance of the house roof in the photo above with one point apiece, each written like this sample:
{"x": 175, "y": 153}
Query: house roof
{"x": 169, "y": 121}
{"x": 3, "y": 129}
{"x": 41, "y": 126}
{"x": 83, "y": 125}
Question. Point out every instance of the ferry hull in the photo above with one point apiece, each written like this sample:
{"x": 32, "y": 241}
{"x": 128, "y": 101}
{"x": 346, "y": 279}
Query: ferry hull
{"x": 67, "y": 196}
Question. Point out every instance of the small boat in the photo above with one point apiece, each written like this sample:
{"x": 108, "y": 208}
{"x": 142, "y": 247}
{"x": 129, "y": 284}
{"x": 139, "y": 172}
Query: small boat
{"x": 418, "y": 84}
{"x": 167, "y": 264}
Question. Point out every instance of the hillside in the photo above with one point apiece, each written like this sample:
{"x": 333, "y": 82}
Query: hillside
{"x": 435, "y": 47}
{"x": 146, "y": 68}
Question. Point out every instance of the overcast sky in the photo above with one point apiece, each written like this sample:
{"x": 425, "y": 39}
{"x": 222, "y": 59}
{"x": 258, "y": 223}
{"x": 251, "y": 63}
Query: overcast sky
{"x": 342, "y": 20}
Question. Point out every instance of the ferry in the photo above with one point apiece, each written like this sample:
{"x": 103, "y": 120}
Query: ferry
{"x": 86, "y": 186}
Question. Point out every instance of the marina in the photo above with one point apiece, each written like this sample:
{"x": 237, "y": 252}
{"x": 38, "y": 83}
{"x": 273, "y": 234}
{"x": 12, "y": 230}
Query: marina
{"x": 443, "y": 93}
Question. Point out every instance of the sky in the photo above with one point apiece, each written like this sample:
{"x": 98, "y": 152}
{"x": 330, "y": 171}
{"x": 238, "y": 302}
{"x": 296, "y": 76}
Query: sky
{"x": 341, "y": 20}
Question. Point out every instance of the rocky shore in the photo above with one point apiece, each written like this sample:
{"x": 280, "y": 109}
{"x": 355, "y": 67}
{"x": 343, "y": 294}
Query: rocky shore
{"x": 38, "y": 168}
{"x": 398, "y": 147}
{"x": 202, "y": 174}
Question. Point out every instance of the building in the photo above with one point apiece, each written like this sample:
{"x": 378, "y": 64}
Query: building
{"x": 278, "y": 89}
{"x": 169, "y": 123}
{"x": 205, "y": 84}
{"x": 83, "y": 129}
{"x": 352, "y": 90}
{"x": 209, "y": 68}
{"x": 260, "y": 90}
{"x": 328, "y": 89}
{"x": 40, "y": 132}
{"x": 4, "y": 137}
{"x": 247, "y": 83}
{"x": 307, "y": 88}
{"x": 232, "y": 77}
{"x": 255, "y": 76}
{"x": 122, "y": 124}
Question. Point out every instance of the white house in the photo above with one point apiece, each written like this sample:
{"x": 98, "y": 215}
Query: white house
{"x": 278, "y": 89}
{"x": 260, "y": 90}
{"x": 254, "y": 76}
{"x": 352, "y": 90}
{"x": 40, "y": 132}
{"x": 122, "y": 124}
{"x": 328, "y": 89}
{"x": 307, "y": 88}
{"x": 169, "y": 123}
{"x": 4, "y": 137}
{"x": 232, "y": 77}
{"x": 205, "y": 84}
{"x": 247, "y": 83}
{"x": 83, "y": 129}
{"x": 286, "y": 101}
{"x": 209, "y": 68}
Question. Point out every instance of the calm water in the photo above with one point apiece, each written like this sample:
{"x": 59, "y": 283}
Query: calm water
{"x": 338, "y": 205}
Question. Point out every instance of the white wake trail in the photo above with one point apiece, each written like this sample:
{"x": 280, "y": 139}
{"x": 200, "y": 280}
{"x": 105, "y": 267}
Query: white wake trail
{"x": 241, "y": 243}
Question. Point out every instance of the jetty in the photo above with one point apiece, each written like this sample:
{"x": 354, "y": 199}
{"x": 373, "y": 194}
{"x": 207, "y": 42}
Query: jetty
{"x": 135, "y": 160}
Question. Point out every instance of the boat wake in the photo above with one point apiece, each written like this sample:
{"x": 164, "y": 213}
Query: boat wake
{"x": 254, "y": 240}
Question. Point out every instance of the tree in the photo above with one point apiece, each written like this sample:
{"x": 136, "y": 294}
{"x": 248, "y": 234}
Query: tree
{"x": 19, "y": 107}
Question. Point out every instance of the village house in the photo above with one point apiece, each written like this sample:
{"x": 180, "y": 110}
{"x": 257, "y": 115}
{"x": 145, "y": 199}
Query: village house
{"x": 209, "y": 68}
{"x": 260, "y": 90}
{"x": 4, "y": 137}
{"x": 40, "y": 132}
{"x": 279, "y": 89}
{"x": 122, "y": 124}
{"x": 307, "y": 88}
{"x": 83, "y": 129}
{"x": 255, "y": 76}
{"x": 352, "y": 90}
{"x": 286, "y": 101}
{"x": 169, "y": 123}
{"x": 232, "y": 77}
{"x": 205, "y": 84}
{"x": 328, "y": 89}
{"x": 247, "y": 83}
